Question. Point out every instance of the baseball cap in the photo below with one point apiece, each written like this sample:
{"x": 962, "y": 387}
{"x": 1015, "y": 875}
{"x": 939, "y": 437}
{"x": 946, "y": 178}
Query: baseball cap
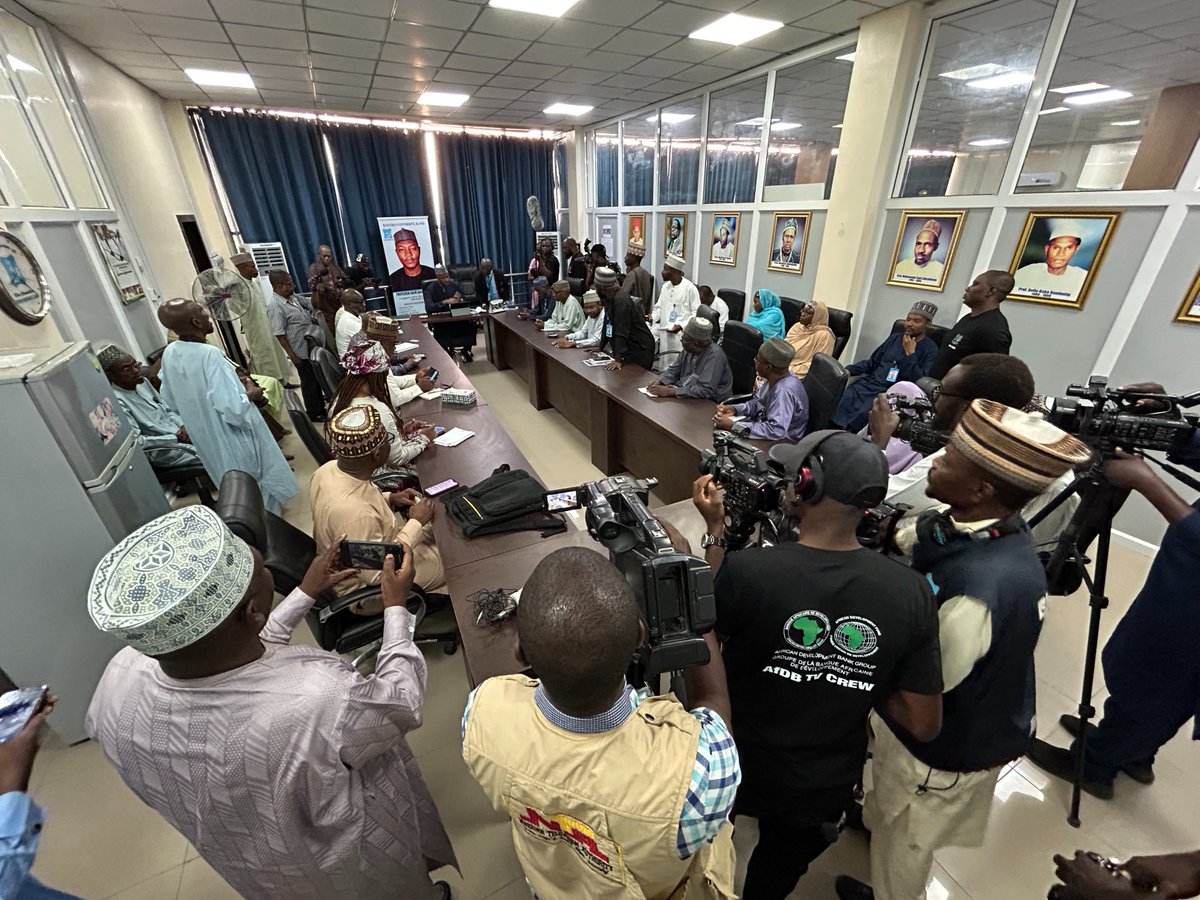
{"x": 855, "y": 471}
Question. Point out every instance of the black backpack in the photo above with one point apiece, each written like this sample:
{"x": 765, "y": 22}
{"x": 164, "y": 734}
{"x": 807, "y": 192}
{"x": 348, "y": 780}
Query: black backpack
{"x": 507, "y": 500}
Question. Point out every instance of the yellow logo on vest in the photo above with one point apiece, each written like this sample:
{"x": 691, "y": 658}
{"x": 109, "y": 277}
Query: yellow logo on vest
{"x": 575, "y": 834}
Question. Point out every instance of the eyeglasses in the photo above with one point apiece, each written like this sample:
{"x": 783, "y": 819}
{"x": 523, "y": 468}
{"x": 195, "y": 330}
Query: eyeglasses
{"x": 938, "y": 391}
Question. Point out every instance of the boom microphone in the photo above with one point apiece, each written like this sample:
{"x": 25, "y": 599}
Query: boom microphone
{"x": 533, "y": 208}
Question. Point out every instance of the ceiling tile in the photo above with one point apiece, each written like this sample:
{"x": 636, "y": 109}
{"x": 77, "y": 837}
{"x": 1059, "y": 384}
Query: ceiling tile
{"x": 579, "y": 75}
{"x": 186, "y": 8}
{"x": 255, "y": 12}
{"x": 514, "y": 82}
{"x": 687, "y": 50}
{"x": 451, "y": 87}
{"x": 499, "y": 93}
{"x": 401, "y": 72}
{"x": 272, "y": 38}
{"x": 413, "y": 84}
{"x": 658, "y": 68}
{"x": 789, "y": 39}
{"x": 204, "y": 62}
{"x": 608, "y": 61}
{"x": 144, "y": 60}
{"x": 628, "y": 81}
{"x": 673, "y": 18}
{"x": 414, "y": 56}
{"x": 784, "y": 10}
{"x": 382, "y": 108}
{"x": 611, "y": 12}
{"x": 123, "y": 38}
{"x": 281, "y": 98}
{"x": 267, "y": 70}
{"x": 646, "y": 43}
{"x": 446, "y": 13}
{"x": 723, "y": 6}
{"x": 327, "y": 24}
{"x": 170, "y": 75}
{"x": 465, "y": 61}
{"x": 423, "y": 36}
{"x": 550, "y": 54}
{"x": 176, "y": 27}
{"x": 461, "y": 76}
{"x": 536, "y": 70}
{"x": 742, "y": 58}
{"x": 842, "y": 16}
{"x": 341, "y": 90}
{"x": 201, "y": 49}
{"x": 329, "y": 76}
{"x": 343, "y": 46}
{"x": 279, "y": 84}
{"x": 501, "y": 48}
{"x": 342, "y": 63}
{"x": 180, "y": 92}
{"x": 577, "y": 34}
{"x": 381, "y": 8}
{"x": 89, "y": 13}
{"x": 393, "y": 96}
{"x": 252, "y": 53}
{"x": 511, "y": 24}
{"x": 705, "y": 74}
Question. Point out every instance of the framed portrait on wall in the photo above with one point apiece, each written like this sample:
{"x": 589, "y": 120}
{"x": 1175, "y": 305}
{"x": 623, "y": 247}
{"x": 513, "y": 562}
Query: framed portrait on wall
{"x": 675, "y": 235}
{"x": 925, "y": 245}
{"x": 1059, "y": 253}
{"x": 635, "y": 229}
{"x": 1189, "y": 310}
{"x": 789, "y": 241}
{"x": 723, "y": 250}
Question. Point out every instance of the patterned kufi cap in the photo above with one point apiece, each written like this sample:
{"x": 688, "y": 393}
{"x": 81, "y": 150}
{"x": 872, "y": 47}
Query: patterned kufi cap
{"x": 109, "y": 355}
{"x": 355, "y": 432}
{"x": 171, "y": 582}
{"x": 1019, "y": 448}
{"x": 933, "y": 226}
{"x": 675, "y": 262}
{"x": 381, "y": 326}
{"x": 636, "y": 248}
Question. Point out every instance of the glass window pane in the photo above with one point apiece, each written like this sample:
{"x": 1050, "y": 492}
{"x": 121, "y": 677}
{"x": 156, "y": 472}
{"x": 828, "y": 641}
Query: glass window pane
{"x": 735, "y": 120}
{"x": 605, "y": 149}
{"x": 21, "y": 156}
{"x": 806, "y": 124}
{"x": 1119, "y": 100}
{"x": 981, "y": 69}
{"x": 637, "y": 149}
{"x": 679, "y": 153}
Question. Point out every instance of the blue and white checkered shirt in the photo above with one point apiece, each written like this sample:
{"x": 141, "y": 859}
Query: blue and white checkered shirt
{"x": 716, "y": 772}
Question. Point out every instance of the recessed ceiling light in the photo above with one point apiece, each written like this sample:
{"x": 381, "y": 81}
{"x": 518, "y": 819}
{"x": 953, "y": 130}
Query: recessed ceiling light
{"x": 1127, "y": 122}
{"x": 839, "y": 125}
{"x": 19, "y": 65}
{"x": 552, "y": 8}
{"x": 1097, "y": 97}
{"x": 989, "y": 142}
{"x": 566, "y": 109}
{"x": 1078, "y": 88}
{"x": 213, "y": 78}
{"x": 673, "y": 118}
{"x": 1053, "y": 110}
{"x": 971, "y": 72}
{"x": 442, "y": 98}
{"x": 847, "y": 57}
{"x": 756, "y": 122}
{"x": 786, "y": 126}
{"x": 1001, "y": 81}
{"x": 735, "y": 29}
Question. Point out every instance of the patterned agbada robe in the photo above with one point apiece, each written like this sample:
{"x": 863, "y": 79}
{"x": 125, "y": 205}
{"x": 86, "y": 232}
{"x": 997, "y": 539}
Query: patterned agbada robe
{"x": 290, "y": 775}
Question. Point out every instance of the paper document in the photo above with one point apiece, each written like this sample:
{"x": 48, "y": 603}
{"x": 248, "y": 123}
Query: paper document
{"x": 453, "y": 437}
{"x": 407, "y": 346}
{"x": 646, "y": 391}
{"x": 432, "y": 395}
{"x": 598, "y": 361}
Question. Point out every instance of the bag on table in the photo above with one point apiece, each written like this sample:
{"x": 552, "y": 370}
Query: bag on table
{"x": 507, "y": 500}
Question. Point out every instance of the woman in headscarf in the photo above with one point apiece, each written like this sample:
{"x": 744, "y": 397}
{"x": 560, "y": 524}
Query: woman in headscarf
{"x": 809, "y": 336}
{"x": 900, "y": 454}
{"x": 767, "y": 316}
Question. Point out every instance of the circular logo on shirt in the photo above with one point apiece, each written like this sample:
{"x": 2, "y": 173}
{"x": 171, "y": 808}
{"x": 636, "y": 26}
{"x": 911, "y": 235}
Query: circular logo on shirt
{"x": 855, "y": 636}
{"x": 806, "y": 630}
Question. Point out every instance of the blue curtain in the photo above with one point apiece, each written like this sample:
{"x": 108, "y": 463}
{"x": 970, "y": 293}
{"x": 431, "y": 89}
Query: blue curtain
{"x": 679, "y": 176}
{"x": 729, "y": 177}
{"x": 639, "y": 176}
{"x": 380, "y": 172}
{"x": 277, "y": 182}
{"x": 485, "y": 181}
{"x": 606, "y": 174}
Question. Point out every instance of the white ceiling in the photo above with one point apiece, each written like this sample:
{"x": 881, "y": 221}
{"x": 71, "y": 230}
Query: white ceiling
{"x": 376, "y": 56}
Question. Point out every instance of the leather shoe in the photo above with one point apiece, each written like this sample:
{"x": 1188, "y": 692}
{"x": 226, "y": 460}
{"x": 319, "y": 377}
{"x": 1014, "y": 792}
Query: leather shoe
{"x": 1142, "y": 771}
{"x": 852, "y": 889}
{"x": 1060, "y": 763}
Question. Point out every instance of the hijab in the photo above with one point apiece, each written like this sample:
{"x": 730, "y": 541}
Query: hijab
{"x": 770, "y": 321}
{"x": 809, "y": 340}
{"x": 900, "y": 454}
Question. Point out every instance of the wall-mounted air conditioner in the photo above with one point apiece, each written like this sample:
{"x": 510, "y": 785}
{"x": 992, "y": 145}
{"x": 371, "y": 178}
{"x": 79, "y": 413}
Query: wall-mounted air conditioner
{"x": 268, "y": 257}
{"x": 1040, "y": 179}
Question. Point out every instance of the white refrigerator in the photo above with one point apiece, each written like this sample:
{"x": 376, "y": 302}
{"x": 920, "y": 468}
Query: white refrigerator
{"x": 73, "y": 482}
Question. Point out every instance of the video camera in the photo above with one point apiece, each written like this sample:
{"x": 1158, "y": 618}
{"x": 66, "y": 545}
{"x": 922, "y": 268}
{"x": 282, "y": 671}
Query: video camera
{"x": 674, "y": 591}
{"x": 1103, "y": 418}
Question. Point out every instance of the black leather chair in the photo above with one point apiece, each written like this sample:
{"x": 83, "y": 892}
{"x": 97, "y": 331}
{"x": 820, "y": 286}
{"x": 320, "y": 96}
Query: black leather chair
{"x": 741, "y": 343}
{"x": 314, "y": 442}
{"x": 825, "y": 382}
{"x": 735, "y": 300}
{"x": 155, "y": 355}
{"x": 791, "y": 309}
{"x": 329, "y": 372}
{"x": 839, "y": 324}
{"x": 936, "y": 333}
{"x": 465, "y": 276}
{"x": 577, "y": 286}
{"x": 189, "y": 479}
{"x": 707, "y": 312}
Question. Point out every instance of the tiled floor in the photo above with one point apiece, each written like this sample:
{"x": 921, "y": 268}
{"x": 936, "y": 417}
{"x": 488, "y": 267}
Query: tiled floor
{"x": 100, "y": 841}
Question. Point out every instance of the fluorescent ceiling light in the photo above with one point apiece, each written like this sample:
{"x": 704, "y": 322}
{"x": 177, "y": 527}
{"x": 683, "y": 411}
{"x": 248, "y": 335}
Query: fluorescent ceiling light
{"x": 989, "y": 142}
{"x": 1003, "y": 80}
{"x": 786, "y": 126}
{"x": 847, "y": 57}
{"x": 672, "y": 118}
{"x": 552, "y": 8}
{"x": 1079, "y": 88}
{"x": 213, "y": 78}
{"x": 1127, "y": 122}
{"x": 566, "y": 109}
{"x": 972, "y": 72}
{"x": 1053, "y": 110}
{"x": 735, "y": 29}
{"x": 1097, "y": 97}
{"x": 442, "y": 98}
{"x": 19, "y": 65}
{"x": 756, "y": 122}
{"x": 839, "y": 125}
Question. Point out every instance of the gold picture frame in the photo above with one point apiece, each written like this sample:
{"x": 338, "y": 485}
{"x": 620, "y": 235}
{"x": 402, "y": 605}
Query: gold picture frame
{"x": 679, "y": 244}
{"x": 791, "y": 262}
{"x": 1189, "y": 309}
{"x": 923, "y": 232}
{"x": 1035, "y": 259}
{"x": 635, "y": 235}
{"x": 723, "y": 252}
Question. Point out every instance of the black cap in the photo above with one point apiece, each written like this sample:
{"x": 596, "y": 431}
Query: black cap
{"x": 855, "y": 471}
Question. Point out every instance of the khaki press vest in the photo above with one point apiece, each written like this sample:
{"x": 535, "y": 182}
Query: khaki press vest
{"x": 595, "y": 815}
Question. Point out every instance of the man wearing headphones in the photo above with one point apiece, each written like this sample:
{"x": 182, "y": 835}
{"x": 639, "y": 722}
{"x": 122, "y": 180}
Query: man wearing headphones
{"x": 991, "y": 592}
{"x": 805, "y": 667}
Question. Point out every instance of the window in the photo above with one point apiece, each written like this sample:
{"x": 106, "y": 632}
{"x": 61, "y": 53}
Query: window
{"x": 806, "y": 124}
{"x": 604, "y": 152}
{"x": 679, "y": 153}
{"x": 1123, "y": 93}
{"x": 639, "y": 136}
{"x": 979, "y": 71}
{"x": 735, "y": 123}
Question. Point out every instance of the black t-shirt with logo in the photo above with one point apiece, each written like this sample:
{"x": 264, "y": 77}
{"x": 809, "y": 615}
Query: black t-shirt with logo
{"x": 813, "y": 640}
{"x": 985, "y": 333}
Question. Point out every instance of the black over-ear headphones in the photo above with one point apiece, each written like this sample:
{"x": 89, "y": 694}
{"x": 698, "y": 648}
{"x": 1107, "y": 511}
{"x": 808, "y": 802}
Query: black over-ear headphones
{"x": 809, "y": 484}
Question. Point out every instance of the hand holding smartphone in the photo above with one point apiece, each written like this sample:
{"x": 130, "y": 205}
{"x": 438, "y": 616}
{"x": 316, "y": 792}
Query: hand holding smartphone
{"x": 369, "y": 554}
{"x": 17, "y": 708}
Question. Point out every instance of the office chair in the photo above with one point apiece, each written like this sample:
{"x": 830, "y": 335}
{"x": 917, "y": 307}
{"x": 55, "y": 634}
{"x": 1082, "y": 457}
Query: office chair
{"x": 839, "y": 324}
{"x": 825, "y": 382}
{"x": 936, "y": 333}
{"x": 577, "y": 286}
{"x": 707, "y": 312}
{"x": 741, "y": 343}
{"x": 287, "y": 553}
{"x": 465, "y": 276}
{"x": 187, "y": 479}
{"x": 329, "y": 372}
{"x": 791, "y": 309}
{"x": 313, "y": 440}
{"x": 735, "y": 300}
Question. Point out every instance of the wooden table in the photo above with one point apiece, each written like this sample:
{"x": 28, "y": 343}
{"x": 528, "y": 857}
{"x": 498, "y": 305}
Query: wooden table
{"x": 630, "y": 432}
{"x": 449, "y": 374}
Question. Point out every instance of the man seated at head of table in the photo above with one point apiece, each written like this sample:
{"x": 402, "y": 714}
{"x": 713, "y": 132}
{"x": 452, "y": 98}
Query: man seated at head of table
{"x": 700, "y": 371}
{"x": 589, "y": 334}
{"x": 568, "y": 314}
{"x": 778, "y": 411}
{"x": 444, "y": 296}
{"x": 405, "y": 380}
{"x": 347, "y": 506}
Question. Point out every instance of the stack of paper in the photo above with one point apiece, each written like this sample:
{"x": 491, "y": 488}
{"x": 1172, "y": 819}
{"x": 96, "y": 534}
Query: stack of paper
{"x": 407, "y": 346}
{"x": 432, "y": 395}
{"x": 453, "y": 437}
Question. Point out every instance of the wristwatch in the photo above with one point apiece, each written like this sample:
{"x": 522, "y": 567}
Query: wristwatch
{"x": 711, "y": 540}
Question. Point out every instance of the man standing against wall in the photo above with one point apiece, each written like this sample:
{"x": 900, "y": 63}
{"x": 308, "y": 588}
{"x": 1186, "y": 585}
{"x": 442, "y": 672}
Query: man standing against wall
{"x": 638, "y": 283}
{"x": 677, "y": 304}
{"x": 324, "y": 280}
{"x": 292, "y": 321}
{"x": 982, "y": 330}
{"x": 266, "y": 356}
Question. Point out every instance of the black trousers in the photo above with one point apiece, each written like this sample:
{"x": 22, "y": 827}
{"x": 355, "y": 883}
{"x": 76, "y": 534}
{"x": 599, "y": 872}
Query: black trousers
{"x": 310, "y": 389}
{"x": 788, "y": 842}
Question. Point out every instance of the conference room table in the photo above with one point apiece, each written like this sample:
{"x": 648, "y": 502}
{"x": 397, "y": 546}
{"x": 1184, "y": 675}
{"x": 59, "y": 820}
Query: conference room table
{"x": 650, "y": 437}
{"x": 415, "y": 330}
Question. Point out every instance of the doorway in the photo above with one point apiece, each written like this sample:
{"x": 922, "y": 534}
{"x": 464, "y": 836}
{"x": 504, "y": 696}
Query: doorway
{"x": 200, "y": 259}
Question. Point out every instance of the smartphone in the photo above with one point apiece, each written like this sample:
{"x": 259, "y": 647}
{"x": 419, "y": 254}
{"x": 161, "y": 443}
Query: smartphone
{"x": 17, "y": 708}
{"x": 433, "y": 375}
{"x": 438, "y": 430}
{"x": 562, "y": 501}
{"x": 369, "y": 554}
{"x": 441, "y": 487}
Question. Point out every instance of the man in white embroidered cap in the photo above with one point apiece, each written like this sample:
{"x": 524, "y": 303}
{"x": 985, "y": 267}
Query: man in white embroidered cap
{"x": 286, "y": 769}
